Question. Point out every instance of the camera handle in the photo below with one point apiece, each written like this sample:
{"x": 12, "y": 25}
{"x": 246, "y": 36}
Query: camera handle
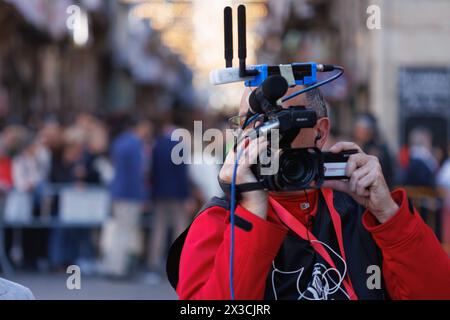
{"x": 241, "y": 188}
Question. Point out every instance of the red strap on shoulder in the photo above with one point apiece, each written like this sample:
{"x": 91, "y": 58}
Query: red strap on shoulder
{"x": 289, "y": 220}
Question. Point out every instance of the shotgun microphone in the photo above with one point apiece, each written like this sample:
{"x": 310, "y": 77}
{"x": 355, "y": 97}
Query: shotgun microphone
{"x": 264, "y": 99}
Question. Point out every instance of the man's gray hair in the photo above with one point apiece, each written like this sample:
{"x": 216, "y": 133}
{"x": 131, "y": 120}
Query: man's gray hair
{"x": 317, "y": 103}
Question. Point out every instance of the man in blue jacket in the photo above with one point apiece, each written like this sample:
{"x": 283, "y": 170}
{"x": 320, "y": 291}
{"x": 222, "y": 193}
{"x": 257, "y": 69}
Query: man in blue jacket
{"x": 121, "y": 239}
{"x": 171, "y": 194}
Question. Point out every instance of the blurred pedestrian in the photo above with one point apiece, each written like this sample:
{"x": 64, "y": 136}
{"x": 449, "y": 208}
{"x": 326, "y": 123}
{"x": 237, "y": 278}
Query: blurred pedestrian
{"x": 366, "y": 134}
{"x": 443, "y": 177}
{"x": 121, "y": 236}
{"x": 443, "y": 181}
{"x": 31, "y": 166}
{"x": 422, "y": 165}
{"x": 171, "y": 196}
{"x": 11, "y": 141}
{"x": 98, "y": 161}
{"x": 204, "y": 172}
{"x": 69, "y": 168}
{"x": 30, "y": 172}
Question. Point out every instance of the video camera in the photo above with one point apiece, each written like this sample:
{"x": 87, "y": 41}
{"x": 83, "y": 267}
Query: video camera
{"x": 298, "y": 169}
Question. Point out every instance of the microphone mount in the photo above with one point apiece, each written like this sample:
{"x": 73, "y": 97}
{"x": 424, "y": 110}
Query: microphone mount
{"x": 296, "y": 74}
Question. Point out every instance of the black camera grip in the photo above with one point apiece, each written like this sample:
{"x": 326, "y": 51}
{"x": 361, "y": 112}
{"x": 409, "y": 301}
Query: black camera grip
{"x": 335, "y": 164}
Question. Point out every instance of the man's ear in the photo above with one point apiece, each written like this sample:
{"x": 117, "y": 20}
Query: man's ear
{"x": 323, "y": 131}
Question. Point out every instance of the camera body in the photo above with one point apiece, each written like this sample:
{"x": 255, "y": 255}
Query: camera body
{"x": 301, "y": 169}
{"x": 297, "y": 169}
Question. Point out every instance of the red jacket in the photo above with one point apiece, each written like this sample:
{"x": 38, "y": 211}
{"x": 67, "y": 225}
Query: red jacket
{"x": 414, "y": 265}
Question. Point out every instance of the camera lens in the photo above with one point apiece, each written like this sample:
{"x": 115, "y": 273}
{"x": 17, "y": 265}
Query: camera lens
{"x": 298, "y": 169}
{"x": 293, "y": 169}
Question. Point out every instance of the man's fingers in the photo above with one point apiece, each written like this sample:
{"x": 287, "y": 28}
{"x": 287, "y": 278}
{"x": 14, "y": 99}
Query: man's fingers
{"x": 363, "y": 170}
{"x": 358, "y": 174}
{"x": 355, "y": 162}
{"x": 248, "y": 151}
{"x": 364, "y": 183}
{"x": 345, "y": 146}
{"x": 257, "y": 149}
{"x": 252, "y": 152}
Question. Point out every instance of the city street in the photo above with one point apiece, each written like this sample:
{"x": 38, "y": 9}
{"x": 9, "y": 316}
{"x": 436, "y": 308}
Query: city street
{"x": 246, "y": 150}
{"x": 53, "y": 287}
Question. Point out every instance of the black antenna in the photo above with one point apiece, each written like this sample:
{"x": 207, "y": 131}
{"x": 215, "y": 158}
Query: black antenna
{"x": 229, "y": 53}
{"x": 242, "y": 33}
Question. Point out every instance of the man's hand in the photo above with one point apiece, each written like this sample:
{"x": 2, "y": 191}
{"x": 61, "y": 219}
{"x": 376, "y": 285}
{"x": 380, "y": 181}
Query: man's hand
{"x": 367, "y": 185}
{"x": 256, "y": 201}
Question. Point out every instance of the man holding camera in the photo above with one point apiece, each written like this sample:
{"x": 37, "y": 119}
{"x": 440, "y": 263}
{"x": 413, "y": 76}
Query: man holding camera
{"x": 349, "y": 240}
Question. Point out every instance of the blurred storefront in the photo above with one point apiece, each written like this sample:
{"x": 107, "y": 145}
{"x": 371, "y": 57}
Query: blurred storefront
{"x": 194, "y": 31}
{"x": 43, "y": 71}
{"x": 410, "y": 63}
{"x": 152, "y": 55}
{"x": 115, "y": 63}
{"x": 160, "y": 77}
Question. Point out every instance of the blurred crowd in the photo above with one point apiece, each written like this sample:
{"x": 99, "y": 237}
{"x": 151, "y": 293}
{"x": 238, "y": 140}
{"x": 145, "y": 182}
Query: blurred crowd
{"x": 420, "y": 166}
{"x": 418, "y": 163}
{"x": 152, "y": 199}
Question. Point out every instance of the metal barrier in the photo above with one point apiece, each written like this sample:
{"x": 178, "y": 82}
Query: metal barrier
{"x": 430, "y": 204}
{"x": 80, "y": 206}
